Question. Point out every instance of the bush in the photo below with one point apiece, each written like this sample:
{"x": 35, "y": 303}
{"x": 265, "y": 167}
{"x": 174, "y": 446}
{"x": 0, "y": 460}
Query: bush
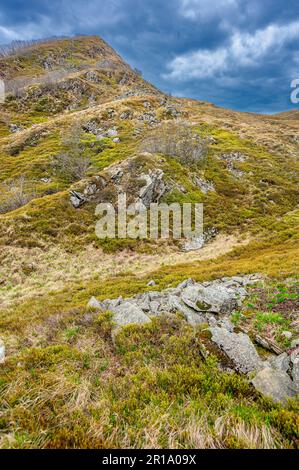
{"x": 176, "y": 139}
{"x": 72, "y": 165}
{"x": 16, "y": 193}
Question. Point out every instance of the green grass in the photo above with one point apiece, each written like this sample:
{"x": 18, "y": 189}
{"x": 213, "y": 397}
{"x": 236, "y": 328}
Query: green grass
{"x": 161, "y": 394}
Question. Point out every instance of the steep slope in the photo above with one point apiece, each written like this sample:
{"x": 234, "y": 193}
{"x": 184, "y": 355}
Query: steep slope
{"x": 78, "y": 127}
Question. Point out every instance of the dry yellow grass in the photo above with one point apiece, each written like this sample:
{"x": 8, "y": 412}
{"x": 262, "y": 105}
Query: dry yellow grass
{"x": 28, "y": 273}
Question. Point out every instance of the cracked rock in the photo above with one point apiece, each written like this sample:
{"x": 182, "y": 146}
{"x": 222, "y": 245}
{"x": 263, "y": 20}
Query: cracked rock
{"x": 239, "y": 348}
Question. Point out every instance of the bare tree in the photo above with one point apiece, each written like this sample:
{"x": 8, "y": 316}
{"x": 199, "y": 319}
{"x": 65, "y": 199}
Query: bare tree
{"x": 176, "y": 139}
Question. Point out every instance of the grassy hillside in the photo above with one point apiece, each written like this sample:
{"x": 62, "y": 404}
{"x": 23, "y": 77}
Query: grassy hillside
{"x": 76, "y": 114}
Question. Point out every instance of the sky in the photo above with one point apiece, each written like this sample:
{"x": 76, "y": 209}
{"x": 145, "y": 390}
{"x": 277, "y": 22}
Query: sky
{"x": 239, "y": 54}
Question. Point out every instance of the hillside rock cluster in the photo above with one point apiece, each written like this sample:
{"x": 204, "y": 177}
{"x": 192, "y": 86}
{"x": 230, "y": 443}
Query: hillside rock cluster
{"x": 210, "y": 305}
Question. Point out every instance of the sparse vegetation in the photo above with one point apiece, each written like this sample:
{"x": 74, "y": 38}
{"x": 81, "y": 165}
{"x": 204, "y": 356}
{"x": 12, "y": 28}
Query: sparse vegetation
{"x": 72, "y": 164}
{"x": 177, "y": 139}
{"x": 15, "y": 194}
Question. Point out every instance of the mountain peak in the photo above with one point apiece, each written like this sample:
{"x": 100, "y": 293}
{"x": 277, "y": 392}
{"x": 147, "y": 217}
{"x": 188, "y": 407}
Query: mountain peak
{"x": 32, "y": 58}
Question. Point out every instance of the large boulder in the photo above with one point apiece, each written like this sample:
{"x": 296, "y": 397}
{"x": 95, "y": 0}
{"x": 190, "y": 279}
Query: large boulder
{"x": 238, "y": 347}
{"x": 214, "y": 298}
{"x": 128, "y": 314}
{"x": 275, "y": 384}
{"x": 192, "y": 317}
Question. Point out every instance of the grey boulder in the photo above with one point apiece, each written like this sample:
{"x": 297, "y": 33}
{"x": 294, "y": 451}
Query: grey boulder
{"x": 238, "y": 347}
{"x": 192, "y": 317}
{"x": 214, "y": 298}
{"x": 128, "y": 314}
{"x": 274, "y": 384}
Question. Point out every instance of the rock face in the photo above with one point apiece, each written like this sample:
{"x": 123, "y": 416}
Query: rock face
{"x": 275, "y": 384}
{"x": 231, "y": 158}
{"x": 154, "y": 188}
{"x": 118, "y": 179}
{"x": 239, "y": 348}
{"x": 281, "y": 362}
{"x": 2, "y": 352}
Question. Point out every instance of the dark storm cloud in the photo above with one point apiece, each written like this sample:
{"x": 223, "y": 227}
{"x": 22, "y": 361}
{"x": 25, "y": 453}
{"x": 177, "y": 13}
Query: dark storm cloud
{"x": 240, "y": 54}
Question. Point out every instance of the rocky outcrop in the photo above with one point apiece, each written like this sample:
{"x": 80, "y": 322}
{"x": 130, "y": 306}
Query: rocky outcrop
{"x": 216, "y": 298}
{"x": 154, "y": 188}
{"x": 294, "y": 359}
{"x": 211, "y": 303}
{"x": 199, "y": 303}
{"x": 204, "y": 185}
{"x": 231, "y": 159}
{"x": 118, "y": 179}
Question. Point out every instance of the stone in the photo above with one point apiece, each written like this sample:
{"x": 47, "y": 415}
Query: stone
{"x": 95, "y": 304}
{"x": 2, "y": 352}
{"x": 192, "y": 317}
{"x": 151, "y": 283}
{"x": 227, "y": 324}
{"x": 287, "y": 334}
{"x": 128, "y": 314}
{"x": 294, "y": 358}
{"x": 154, "y": 307}
{"x": 239, "y": 348}
{"x": 112, "y": 132}
{"x": 116, "y": 140}
{"x": 125, "y": 115}
{"x": 234, "y": 157}
{"x": 274, "y": 384}
{"x": 111, "y": 304}
{"x": 77, "y": 199}
{"x": 203, "y": 185}
{"x": 281, "y": 362}
{"x": 15, "y": 128}
{"x": 154, "y": 187}
{"x": 186, "y": 283}
{"x": 194, "y": 244}
{"x": 214, "y": 298}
